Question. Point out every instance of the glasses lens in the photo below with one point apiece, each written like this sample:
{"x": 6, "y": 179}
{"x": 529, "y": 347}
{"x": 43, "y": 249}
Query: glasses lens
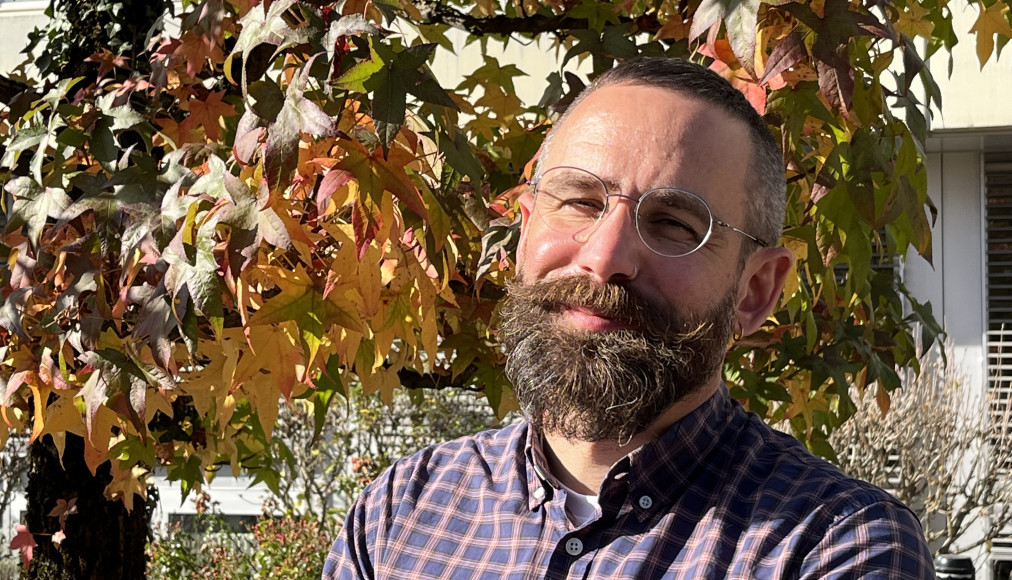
{"x": 673, "y": 222}
{"x": 569, "y": 200}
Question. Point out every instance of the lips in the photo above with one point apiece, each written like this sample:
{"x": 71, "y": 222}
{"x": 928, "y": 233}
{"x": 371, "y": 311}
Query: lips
{"x": 589, "y": 319}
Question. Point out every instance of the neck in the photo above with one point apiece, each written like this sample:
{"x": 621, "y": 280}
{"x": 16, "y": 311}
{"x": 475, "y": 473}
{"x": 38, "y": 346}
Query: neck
{"x": 583, "y": 465}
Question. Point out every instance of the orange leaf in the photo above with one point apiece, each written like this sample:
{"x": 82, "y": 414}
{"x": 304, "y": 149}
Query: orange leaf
{"x": 209, "y": 114}
{"x": 376, "y": 174}
{"x": 196, "y": 50}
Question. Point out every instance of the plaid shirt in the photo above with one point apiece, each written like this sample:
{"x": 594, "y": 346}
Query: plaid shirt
{"x": 718, "y": 495}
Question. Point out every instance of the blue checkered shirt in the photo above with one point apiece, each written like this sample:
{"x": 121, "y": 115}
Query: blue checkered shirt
{"x": 717, "y": 495}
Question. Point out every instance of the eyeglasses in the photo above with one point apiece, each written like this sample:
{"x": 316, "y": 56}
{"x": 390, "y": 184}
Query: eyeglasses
{"x": 671, "y": 222}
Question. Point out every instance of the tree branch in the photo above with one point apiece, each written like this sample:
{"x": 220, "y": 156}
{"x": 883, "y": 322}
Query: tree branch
{"x": 436, "y": 12}
{"x": 411, "y": 379}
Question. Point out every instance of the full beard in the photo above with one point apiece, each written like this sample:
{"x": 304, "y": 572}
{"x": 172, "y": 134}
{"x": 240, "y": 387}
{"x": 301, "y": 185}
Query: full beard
{"x": 595, "y": 386}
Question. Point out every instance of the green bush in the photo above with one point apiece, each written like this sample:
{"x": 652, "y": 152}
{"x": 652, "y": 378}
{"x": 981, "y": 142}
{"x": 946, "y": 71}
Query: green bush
{"x": 285, "y": 548}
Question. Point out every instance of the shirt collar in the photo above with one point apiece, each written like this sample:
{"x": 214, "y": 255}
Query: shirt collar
{"x": 660, "y": 469}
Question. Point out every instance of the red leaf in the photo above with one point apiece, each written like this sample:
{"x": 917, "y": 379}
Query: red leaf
{"x": 365, "y": 225}
{"x": 787, "y": 53}
{"x": 24, "y": 541}
{"x": 331, "y": 182}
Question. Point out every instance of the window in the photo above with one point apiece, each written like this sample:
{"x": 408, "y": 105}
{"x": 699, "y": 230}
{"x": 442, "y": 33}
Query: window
{"x": 998, "y": 268}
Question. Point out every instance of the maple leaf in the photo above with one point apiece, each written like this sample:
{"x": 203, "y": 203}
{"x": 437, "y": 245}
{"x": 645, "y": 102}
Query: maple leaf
{"x": 126, "y": 483}
{"x": 376, "y": 174}
{"x": 272, "y": 369}
{"x": 297, "y": 115}
{"x": 992, "y": 20}
{"x": 62, "y": 416}
{"x": 739, "y": 17}
{"x": 209, "y": 114}
{"x": 674, "y": 29}
{"x": 33, "y": 204}
{"x": 303, "y": 304}
{"x": 25, "y": 542}
{"x": 196, "y": 50}
{"x": 914, "y": 21}
{"x": 806, "y": 403}
{"x": 63, "y": 510}
{"x": 178, "y": 133}
{"x": 107, "y": 60}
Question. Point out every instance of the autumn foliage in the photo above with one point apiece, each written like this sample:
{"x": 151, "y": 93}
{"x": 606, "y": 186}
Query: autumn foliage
{"x": 280, "y": 199}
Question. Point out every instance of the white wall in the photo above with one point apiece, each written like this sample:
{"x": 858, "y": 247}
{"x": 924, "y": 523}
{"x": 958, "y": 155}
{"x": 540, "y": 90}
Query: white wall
{"x": 17, "y": 19}
{"x": 972, "y": 98}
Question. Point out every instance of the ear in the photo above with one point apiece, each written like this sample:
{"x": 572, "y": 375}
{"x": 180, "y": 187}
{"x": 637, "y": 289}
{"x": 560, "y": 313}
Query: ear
{"x": 526, "y": 201}
{"x": 760, "y": 286}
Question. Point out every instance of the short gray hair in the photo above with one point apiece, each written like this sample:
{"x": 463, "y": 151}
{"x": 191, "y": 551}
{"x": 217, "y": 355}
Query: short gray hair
{"x": 766, "y": 198}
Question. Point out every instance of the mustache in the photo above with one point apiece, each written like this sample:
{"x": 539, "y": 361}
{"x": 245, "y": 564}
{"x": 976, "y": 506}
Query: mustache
{"x": 618, "y": 302}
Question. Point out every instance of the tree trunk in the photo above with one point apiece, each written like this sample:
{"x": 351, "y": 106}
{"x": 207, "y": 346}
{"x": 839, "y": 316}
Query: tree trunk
{"x": 103, "y": 540}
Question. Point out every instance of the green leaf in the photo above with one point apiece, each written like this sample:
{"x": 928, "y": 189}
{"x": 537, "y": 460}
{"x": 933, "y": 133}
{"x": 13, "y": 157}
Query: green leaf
{"x": 739, "y": 17}
{"x": 23, "y": 139}
{"x": 33, "y": 205}
{"x": 354, "y": 79}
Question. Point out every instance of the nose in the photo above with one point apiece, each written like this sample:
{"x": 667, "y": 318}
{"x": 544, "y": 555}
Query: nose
{"x": 611, "y": 250}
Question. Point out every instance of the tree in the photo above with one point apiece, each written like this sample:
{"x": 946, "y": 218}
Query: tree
{"x": 279, "y": 201}
{"x": 942, "y": 451}
{"x": 320, "y": 473}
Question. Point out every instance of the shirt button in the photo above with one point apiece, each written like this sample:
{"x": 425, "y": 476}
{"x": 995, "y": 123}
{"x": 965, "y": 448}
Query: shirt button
{"x": 539, "y": 493}
{"x": 574, "y": 546}
{"x": 646, "y": 502}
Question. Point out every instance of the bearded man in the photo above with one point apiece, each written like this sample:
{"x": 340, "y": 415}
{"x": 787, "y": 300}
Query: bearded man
{"x": 649, "y": 238}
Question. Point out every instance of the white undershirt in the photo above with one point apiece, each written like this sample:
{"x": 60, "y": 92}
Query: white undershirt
{"x": 580, "y": 508}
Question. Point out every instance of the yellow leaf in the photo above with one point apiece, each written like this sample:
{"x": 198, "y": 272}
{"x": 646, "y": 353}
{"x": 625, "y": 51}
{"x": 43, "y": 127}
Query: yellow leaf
{"x": 388, "y": 382}
{"x": 275, "y": 357}
{"x": 156, "y": 401}
{"x": 126, "y": 483}
{"x": 62, "y": 415}
{"x": 991, "y": 21}
{"x": 370, "y": 282}
{"x": 377, "y": 173}
{"x": 914, "y": 22}
{"x": 225, "y": 411}
{"x": 40, "y": 394}
{"x": 96, "y": 447}
{"x": 4, "y": 433}
{"x": 206, "y": 385}
{"x": 300, "y": 302}
{"x": 265, "y": 399}
{"x": 806, "y": 403}
{"x": 430, "y": 333}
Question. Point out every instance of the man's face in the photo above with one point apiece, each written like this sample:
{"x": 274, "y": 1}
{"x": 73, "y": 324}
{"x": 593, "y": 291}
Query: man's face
{"x": 598, "y": 324}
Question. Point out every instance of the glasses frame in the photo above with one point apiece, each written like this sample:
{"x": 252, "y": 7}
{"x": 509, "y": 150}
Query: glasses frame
{"x": 638, "y": 201}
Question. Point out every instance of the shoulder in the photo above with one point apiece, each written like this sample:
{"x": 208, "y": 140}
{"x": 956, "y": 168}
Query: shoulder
{"x": 492, "y": 456}
{"x": 415, "y": 497}
{"x": 785, "y": 463}
{"x": 849, "y": 527}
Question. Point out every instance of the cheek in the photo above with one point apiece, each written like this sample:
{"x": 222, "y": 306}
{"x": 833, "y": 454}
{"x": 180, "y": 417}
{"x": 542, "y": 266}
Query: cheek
{"x": 542, "y": 251}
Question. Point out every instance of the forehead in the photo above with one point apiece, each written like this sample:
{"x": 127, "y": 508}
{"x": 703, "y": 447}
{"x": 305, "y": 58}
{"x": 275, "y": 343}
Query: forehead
{"x": 638, "y": 137}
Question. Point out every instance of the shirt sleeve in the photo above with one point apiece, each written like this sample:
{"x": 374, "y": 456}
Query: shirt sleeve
{"x": 349, "y": 557}
{"x": 881, "y": 540}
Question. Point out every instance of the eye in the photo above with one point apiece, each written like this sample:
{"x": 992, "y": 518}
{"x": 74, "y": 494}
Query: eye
{"x": 585, "y": 203}
{"x": 671, "y": 225}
